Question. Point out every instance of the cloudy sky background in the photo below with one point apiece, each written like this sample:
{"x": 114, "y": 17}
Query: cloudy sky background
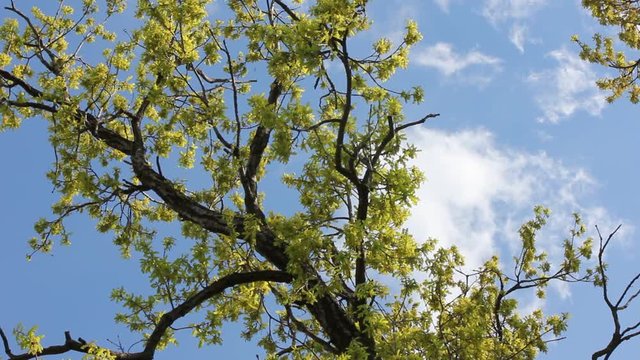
{"x": 522, "y": 123}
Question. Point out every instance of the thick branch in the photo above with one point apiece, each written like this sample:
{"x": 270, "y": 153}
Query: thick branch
{"x": 111, "y": 138}
{"x": 24, "y": 85}
{"x": 256, "y": 151}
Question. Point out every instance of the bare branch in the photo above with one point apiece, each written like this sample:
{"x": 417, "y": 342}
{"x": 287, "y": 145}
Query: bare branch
{"x": 618, "y": 336}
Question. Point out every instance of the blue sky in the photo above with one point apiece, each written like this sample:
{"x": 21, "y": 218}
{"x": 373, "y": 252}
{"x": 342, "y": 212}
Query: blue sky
{"x": 522, "y": 123}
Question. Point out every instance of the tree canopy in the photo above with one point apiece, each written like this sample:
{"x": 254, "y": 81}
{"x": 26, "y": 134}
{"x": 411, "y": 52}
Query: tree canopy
{"x": 625, "y": 16}
{"x": 182, "y": 119}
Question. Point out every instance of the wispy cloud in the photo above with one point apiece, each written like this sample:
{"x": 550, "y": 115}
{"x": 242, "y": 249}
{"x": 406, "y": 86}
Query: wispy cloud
{"x": 443, "y": 4}
{"x": 517, "y": 35}
{"x": 566, "y": 88}
{"x": 393, "y": 27}
{"x": 502, "y": 10}
{"x": 478, "y": 193}
{"x": 447, "y": 61}
{"x": 515, "y": 13}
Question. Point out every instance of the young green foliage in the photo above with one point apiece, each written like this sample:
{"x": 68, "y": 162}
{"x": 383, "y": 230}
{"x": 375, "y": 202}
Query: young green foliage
{"x": 625, "y": 16}
{"x": 182, "y": 120}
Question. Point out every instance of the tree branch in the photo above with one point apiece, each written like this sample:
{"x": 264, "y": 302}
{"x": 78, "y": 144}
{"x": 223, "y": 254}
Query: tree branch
{"x": 215, "y": 288}
{"x": 618, "y": 336}
{"x": 287, "y": 9}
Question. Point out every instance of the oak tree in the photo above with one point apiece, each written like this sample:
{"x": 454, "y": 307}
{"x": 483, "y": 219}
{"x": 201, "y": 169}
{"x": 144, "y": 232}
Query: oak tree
{"x": 140, "y": 119}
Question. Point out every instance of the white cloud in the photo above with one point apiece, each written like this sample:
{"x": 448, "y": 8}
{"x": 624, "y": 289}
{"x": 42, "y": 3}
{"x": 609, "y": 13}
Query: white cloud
{"x": 502, "y": 10}
{"x": 543, "y": 135}
{"x": 443, "y": 4}
{"x": 567, "y": 88}
{"x": 478, "y": 193}
{"x": 517, "y": 35}
{"x": 513, "y": 12}
{"x": 442, "y": 57}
